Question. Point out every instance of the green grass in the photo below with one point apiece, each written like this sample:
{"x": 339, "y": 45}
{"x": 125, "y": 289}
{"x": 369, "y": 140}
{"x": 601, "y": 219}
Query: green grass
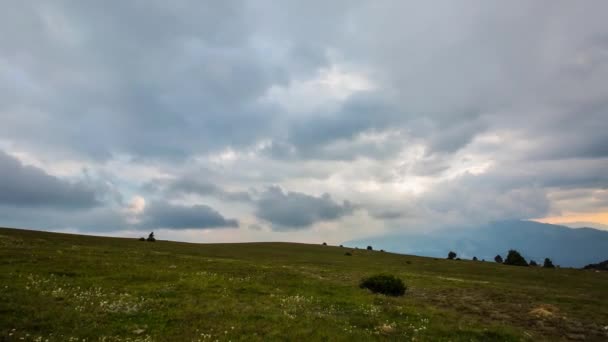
{"x": 59, "y": 287}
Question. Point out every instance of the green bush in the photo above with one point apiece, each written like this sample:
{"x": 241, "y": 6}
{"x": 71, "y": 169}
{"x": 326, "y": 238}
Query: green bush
{"x": 385, "y": 284}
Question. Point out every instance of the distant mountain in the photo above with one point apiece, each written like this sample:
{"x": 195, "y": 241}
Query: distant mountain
{"x": 567, "y": 247}
{"x": 586, "y": 225}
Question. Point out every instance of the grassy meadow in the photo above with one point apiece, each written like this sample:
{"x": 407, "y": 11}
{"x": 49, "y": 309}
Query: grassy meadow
{"x": 61, "y": 287}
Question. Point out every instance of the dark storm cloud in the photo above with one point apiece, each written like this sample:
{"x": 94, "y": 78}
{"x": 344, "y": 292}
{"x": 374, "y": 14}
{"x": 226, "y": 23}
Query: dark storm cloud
{"x": 294, "y": 210}
{"x": 161, "y": 214}
{"x": 29, "y": 186}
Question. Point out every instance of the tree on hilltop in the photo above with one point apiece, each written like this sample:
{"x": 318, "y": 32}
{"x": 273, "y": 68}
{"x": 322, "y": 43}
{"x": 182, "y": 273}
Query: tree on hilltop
{"x": 515, "y": 259}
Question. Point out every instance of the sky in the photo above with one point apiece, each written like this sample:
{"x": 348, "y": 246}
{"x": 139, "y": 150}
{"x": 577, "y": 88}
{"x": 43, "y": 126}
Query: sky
{"x": 304, "y": 121}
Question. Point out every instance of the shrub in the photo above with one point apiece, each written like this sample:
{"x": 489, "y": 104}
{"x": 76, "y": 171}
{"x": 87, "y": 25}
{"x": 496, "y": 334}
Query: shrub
{"x": 151, "y": 237}
{"x": 341, "y": 246}
{"x": 451, "y": 255}
{"x": 385, "y": 284}
{"x": 515, "y": 259}
{"x": 324, "y": 243}
{"x": 369, "y": 248}
{"x": 548, "y": 263}
{"x": 348, "y": 254}
{"x": 533, "y": 263}
{"x": 474, "y": 258}
{"x": 142, "y": 239}
{"x": 408, "y": 262}
{"x": 382, "y": 250}
{"x": 498, "y": 259}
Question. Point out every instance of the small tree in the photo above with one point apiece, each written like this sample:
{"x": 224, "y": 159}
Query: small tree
{"x": 324, "y": 243}
{"x": 498, "y": 259}
{"x": 451, "y": 255}
{"x": 533, "y": 263}
{"x": 142, "y": 239}
{"x": 515, "y": 259}
{"x": 151, "y": 237}
{"x": 548, "y": 263}
{"x": 474, "y": 258}
{"x": 369, "y": 248}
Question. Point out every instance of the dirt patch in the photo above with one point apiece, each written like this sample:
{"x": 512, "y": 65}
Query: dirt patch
{"x": 544, "y": 311}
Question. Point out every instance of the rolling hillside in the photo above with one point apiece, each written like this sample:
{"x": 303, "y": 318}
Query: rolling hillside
{"x": 61, "y": 287}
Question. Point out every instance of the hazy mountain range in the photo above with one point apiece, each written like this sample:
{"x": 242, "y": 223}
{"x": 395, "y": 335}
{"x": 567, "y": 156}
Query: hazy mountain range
{"x": 568, "y": 247}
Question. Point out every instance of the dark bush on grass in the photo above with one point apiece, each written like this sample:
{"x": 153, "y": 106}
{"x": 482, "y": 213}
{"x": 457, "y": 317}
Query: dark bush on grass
{"x": 385, "y": 284}
{"x": 142, "y": 239}
{"x": 515, "y": 259}
{"x": 348, "y": 254}
{"x": 548, "y": 263}
{"x": 324, "y": 243}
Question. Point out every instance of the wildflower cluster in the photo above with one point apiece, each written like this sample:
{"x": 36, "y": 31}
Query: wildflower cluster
{"x": 84, "y": 299}
{"x": 293, "y": 306}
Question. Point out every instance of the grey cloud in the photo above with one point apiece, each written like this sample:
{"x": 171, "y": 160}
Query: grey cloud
{"x": 159, "y": 214}
{"x": 97, "y": 219}
{"x": 195, "y": 184}
{"x": 174, "y": 82}
{"x": 201, "y": 187}
{"x": 295, "y": 210}
{"x": 29, "y": 186}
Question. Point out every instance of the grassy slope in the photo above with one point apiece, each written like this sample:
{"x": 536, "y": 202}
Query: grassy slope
{"x": 58, "y": 286}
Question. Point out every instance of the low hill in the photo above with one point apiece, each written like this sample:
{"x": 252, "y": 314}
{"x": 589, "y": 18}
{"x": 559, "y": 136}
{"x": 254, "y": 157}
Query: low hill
{"x": 61, "y": 287}
{"x": 567, "y": 247}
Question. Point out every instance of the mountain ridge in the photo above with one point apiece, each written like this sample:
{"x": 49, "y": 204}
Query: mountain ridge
{"x": 568, "y": 247}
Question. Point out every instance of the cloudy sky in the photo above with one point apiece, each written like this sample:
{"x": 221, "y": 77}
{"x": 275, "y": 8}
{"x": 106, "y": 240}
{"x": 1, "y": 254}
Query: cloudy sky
{"x": 301, "y": 120}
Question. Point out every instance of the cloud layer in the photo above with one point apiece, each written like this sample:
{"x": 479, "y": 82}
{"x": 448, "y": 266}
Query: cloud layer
{"x": 225, "y": 116}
